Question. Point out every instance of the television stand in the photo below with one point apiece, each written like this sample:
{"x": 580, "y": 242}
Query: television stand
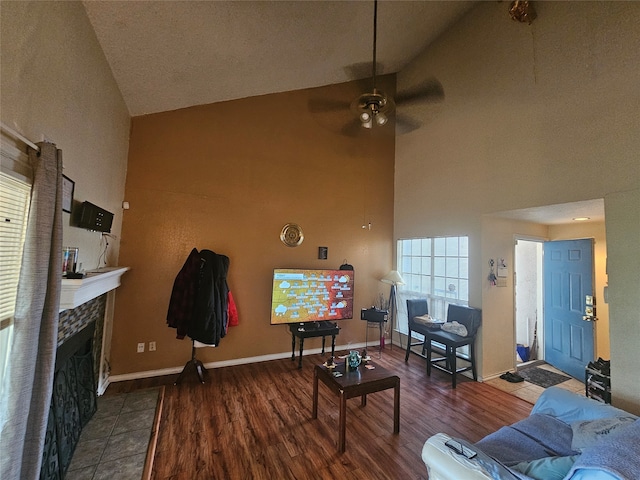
{"x": 310, "y": 330}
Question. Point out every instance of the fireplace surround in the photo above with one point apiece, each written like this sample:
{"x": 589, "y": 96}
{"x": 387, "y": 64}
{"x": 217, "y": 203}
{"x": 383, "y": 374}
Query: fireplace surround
{"x": 83, "y": 325}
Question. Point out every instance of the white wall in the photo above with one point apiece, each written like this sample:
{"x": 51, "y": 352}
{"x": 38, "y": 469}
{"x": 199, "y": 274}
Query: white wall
{"x": 498, "y": 328}
{"x": 57, "y": 85}
{"x": 526, "y": 312}
{"x": 533, "y": 115}
{"x": 622, "y": 210}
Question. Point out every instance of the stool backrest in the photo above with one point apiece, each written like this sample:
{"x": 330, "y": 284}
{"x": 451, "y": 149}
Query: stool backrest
{"x": 470, "y": 317}
{"x": 416, "y": 307}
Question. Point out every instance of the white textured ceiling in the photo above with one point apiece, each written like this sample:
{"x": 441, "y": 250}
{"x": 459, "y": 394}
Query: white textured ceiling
{"x": 559, "y": 214}
{"x": 167, "y": 55}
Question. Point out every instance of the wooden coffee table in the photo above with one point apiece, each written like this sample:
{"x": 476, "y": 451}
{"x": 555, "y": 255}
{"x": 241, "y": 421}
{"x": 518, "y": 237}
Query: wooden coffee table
{"x": 356, "y": 383}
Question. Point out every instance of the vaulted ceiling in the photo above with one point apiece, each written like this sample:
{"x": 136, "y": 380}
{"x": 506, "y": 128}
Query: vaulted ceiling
{"x": 167, "y": 55}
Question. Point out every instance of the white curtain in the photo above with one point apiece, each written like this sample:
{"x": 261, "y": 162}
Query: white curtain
{"x": 27, "y": 396}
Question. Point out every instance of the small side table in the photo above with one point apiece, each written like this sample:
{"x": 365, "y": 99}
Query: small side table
{"x": 355, "y": 383}
{"x": 310, "y": 330}
{"x": 373, "y": 316}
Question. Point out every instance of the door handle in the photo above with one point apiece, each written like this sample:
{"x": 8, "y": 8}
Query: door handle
{"x": 589, "y": 309}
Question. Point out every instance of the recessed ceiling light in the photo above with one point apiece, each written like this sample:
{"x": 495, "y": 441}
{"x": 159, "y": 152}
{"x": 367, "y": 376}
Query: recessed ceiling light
{"x": 581, "y": 219}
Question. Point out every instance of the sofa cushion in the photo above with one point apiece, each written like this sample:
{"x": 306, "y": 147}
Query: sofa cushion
{"x": 587, "y": 433}
{"x": 537, "y": 436}
{"x": 615, "y": 456}
{"x": 570, "y": 407}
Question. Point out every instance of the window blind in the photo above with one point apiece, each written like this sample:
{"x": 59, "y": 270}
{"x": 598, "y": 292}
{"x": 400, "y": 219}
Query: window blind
{"x": 14, "y": 208}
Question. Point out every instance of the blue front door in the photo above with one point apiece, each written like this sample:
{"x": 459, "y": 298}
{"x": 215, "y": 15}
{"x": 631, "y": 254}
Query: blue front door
{"x": 569, "y": 305}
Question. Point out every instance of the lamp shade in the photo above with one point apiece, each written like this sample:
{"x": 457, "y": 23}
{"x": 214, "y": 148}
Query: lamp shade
{"x": 393, "y": 278}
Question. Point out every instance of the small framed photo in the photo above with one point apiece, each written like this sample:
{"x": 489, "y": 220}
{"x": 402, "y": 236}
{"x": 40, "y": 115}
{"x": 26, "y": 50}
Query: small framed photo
{"x": 68, "y": 186}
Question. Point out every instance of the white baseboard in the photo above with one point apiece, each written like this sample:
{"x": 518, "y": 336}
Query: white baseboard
{"x": 496, "y": 375}
{"x": 224, "y": 363}
{"x": 102, "y": 386}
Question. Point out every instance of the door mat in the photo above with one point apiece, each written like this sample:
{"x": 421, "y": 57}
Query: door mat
{"x": 541, "y": 377}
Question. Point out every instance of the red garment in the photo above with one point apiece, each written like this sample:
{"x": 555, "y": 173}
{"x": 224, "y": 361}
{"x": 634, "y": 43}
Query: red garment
{"x": 232, "y": 311}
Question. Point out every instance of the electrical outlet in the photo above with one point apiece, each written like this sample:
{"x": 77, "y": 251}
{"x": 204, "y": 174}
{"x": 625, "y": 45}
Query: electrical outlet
{"x": 141, "y": 347}
{"x": 152, "y": 346}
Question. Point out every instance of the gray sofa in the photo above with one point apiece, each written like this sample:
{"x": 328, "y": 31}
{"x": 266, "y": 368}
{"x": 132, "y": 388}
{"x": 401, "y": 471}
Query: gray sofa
{"x": 567, "y": 436}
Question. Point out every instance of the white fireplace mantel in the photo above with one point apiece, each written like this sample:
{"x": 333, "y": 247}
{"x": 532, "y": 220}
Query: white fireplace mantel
{"x": 75, "y": 292}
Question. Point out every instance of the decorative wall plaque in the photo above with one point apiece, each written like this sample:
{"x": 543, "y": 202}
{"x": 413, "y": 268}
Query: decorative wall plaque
{"x": 291, "y": 235}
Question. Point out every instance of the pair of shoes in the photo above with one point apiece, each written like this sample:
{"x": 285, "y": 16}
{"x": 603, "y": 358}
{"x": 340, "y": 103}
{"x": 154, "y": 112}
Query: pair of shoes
{"x": 600, "y": 365}
{"x": 512, "y": 377}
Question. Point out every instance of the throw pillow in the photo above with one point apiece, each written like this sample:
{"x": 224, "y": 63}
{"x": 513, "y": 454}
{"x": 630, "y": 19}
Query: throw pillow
{"x": 427, "y": 320}
{"x": 455, "y": 328}
{"x": 548, "y": 468}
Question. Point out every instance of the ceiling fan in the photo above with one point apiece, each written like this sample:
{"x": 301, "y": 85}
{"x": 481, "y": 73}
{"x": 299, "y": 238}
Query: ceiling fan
{"x": 373, "y": 107}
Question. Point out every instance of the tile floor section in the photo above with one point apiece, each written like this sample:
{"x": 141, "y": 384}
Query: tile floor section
{"x": 530, "y": 392}
{"x": 114, "y": 443}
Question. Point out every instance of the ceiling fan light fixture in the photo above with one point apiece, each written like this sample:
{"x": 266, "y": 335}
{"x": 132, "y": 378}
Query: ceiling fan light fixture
{"x": 374, "y": 108}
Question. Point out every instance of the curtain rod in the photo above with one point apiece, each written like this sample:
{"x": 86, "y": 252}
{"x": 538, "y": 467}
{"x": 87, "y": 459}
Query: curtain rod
{"x": 15, "y": 134}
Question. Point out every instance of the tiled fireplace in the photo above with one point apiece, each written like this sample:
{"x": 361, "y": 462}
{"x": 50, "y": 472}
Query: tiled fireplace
{"x": 78, "y": 358}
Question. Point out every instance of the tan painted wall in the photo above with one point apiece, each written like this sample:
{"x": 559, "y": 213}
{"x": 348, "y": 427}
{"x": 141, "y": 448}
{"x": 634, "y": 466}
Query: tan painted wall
{"x": 533, "y": 115}
{"x": 498, "y": 326}
{"x": 227, "y": 177}
{"x": 498, "y": 240}
{"x": 57, "y": 85}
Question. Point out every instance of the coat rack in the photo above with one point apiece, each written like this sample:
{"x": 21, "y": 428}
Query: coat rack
{"x": 197, "y": 364}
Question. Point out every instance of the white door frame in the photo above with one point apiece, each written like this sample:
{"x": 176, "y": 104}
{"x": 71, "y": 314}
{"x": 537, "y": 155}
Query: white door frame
{"x": 539, "y": 294}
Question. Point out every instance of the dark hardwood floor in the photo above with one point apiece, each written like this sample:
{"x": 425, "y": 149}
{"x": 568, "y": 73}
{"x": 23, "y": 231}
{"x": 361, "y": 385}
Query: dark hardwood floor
{"x": 254, "y": 422}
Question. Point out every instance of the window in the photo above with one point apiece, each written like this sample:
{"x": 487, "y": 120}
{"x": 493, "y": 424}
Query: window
{"x": 14, "y": 208}
{"x": 436, "y": 269}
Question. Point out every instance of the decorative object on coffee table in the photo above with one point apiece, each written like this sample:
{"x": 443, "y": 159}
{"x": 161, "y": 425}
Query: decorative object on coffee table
{"x": 354, "y": 360}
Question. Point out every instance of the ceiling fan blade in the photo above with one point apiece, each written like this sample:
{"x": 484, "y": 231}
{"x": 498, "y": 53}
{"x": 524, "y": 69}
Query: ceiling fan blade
{"x": 352, "y": 128}
{"x": 322, "y": 105}
{"x": 430, "y": 90}
{"x": 406, "y": 124}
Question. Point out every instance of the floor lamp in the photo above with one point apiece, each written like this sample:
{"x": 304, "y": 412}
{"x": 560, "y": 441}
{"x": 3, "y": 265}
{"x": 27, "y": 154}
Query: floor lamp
{"x": 394, "y": 279}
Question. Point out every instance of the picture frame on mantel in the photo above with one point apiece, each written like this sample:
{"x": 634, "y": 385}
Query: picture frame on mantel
{"x": 68, "y": 186}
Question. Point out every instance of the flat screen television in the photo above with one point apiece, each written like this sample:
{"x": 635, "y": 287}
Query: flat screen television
{"x": 311, "y": 295}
